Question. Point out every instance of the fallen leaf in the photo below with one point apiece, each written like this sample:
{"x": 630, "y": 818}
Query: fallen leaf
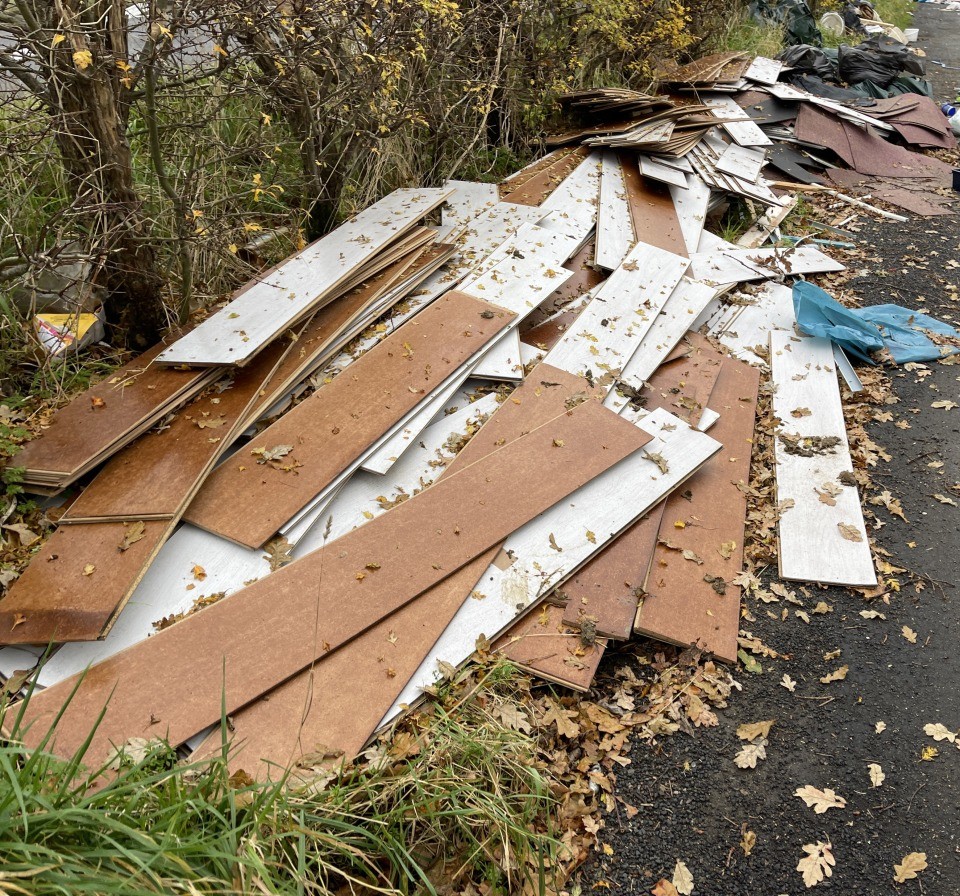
{"x": 25, "y": 534}
{"x": 751, "y": 754}
{"x": 663, "y": 887}
{"x": 876, "y": 774}
{"x": 838, "y": 675}
{"x": 850, "y": 533}
{"x": 820, "y": 800}
{"x": 727, "y": 549}
{"x": 753, "y": 730}
{"x": 211, "y": 422}
{"x": 265, "y": 455}
{"x": 943, "y": 499}
{"x": 872, "y": 614}
{"x": 747, "y": 842}
{"x": 910, "y": 865}
{"x": 817, "y": 864}
{"x": 939, "y": 732}
{"x": 749, "y": 663}
{"x": 682, "y": 879}
{"x": 909, "y": 634}
{"x": 822, "y": 608}
{"x": 945, "y": 405}
{"x": 133, "y": 532}
{"x": 880, "y": 727}
{"x": 928, "y": 754}
{"x": 788, "y": 683}
{"x": 88, "y": 569}
{"x": 801, "y": 615}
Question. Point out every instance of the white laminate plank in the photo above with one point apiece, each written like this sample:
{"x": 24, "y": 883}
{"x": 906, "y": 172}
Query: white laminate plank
{"x": 788, "y": 93}
{"x": 854, "y": 383}
{"x": 763, "y": 70}
{"x": 737, "y": 123}
{"x": 816, "y": 507}
{"x": 748, "y": 326}
{"x": 691, "y": 205}
{"x": 238, "y": 331}
{"x": 743, "y": 265}
{"x": 665, "y": 174}
{"x": 615, "y": 234}
{"x": 621, "y": 311}
{"x": 466, "y": 200}
{"x": 503, "y": 361}
{"x": 572, "y": 206}
{"x": 742, "y": 162}
{"x": 542, "y": 554}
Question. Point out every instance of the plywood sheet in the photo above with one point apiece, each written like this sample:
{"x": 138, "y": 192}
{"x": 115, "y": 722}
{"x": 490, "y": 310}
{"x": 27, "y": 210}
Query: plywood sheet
{"x": 177, "y": 682}
{"x": 823, "y": 537}
{"x": 707, "y": 519}
{"x": 652, "y": 212}
{"x": 268, "y": 306}
{"x": 248, "y": 502}
{"x": 104, "y": 417}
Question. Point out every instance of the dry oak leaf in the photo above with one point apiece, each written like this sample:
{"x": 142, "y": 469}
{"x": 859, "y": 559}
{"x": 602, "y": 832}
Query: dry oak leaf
{"x": 663, "y": 887}
{"x": 682, "y": 879}
{"x": 943, "y": 499}
{"x": 132, "y": 534}
{"x": 838, "y": 675}
{"x": 910, "y": 866}
{"x": 788, "y": 683}
{"x": 820, "y": 800}
{"x": 817, "y": 864}
{"x": 877, "y": 776}
{"x": 909, "y": 634}
{"x": 850, "y": 533}
{"x": 753, "y": 730}
{"x": 562, "y": 718}
{"x": 943, "y": 403}
{"x": 748, "y": 841}
{"x": 872, "y": 614}
{"x": 939, "y": 732}
{"x": 880, "y": 727}
{"x": 751, "y": 754}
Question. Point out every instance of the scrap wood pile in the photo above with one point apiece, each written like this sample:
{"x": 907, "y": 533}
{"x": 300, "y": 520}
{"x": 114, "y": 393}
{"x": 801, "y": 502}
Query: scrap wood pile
{"x": 527, "y": 427}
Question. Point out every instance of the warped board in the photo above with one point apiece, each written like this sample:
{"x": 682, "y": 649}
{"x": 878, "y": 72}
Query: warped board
{"x": 675, "y": 318}
{"x": 248, "y": 502}
{"x": 813, "y": 543}
{"x": 195, "y": 565}
{"x": 572, "y": 206}
{"x": 105, "y": 418}
{"x": 652, "y": 211}
{"x": 542, "y": 643}
{"x": 266, "y": 307}
{"x": 619, "y": 315}
{"x": 615, "y": 234}
{"x": 606, "y": 589}
{"x": 179, "y": 681}
{"x": 309, "y": 709}
{"x": 707, "y": 521}
{"x": 544, "y": 553}
{"x": 736, "y": 122}
{"x": 788, "y": 93}
{"x": 742, "y": 265}
{"x": 665, "y": 174}
{"x": 691, "y": 205}
{"x": 585, "y": 277}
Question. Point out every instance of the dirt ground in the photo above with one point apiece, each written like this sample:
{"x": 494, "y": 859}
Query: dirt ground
{"x": 695, "y": 804}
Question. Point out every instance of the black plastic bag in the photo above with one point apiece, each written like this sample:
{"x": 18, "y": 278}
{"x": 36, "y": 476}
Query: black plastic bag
{"x": 809, "y": 60}
{"x": 879, "y": 59}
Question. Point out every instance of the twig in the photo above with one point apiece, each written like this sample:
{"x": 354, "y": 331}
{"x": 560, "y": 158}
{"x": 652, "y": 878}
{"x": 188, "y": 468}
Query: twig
{"x": 816, "y": 188}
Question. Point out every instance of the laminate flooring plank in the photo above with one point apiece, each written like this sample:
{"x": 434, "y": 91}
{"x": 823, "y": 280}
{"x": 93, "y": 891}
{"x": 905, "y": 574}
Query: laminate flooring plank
{"x": 178, "y": 682}
{"x": 615, "y": 235}
{"x": 747, "y": 333}
{"x": 664, "y": 174}
{"x": 823, "y": 537}
{"x": 743, "y": 265}
{"x": 736, "y": 122}
{"x": 691, "y": 205}
{"x": 764, "y": 70}
{"x": 248, "y": 502}
{"x": 467, "y": 200}
{"x": 268, "y": 306}
{"x": 535, "y": 189}
{"x": 741, "y": 162}
{"x": 573, "y": 204}
{"x": 680, "y": 606}
{"x": 652, "y": 210}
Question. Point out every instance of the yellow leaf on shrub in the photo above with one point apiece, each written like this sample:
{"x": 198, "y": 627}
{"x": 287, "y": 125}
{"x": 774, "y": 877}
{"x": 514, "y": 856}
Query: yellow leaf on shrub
{"x": 83, "y": 59}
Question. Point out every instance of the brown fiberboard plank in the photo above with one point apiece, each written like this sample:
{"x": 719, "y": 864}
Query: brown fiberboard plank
{"x": 77, "y": 580}
{"x": 284, "y": 726}
{"x": 652, "y": 210}
{"x": 102, "y": 417}
{"x": 684, "y": 384}
{"x": 517, "y": 180}
{"x": 535, "y": 190}
{"x": 543, "y": 644}
{"x": 680, "y": 606}
{"x": 179, "y": 681}
{"x": 607, "y": 588}
{"x": 247, "y": 502}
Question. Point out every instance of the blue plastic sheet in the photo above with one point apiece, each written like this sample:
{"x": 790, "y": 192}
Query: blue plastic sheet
{"x": 861, "y": 331}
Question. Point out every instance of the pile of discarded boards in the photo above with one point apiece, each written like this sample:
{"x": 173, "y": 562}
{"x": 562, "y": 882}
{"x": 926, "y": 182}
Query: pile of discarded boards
{"x": 411, "y": 437}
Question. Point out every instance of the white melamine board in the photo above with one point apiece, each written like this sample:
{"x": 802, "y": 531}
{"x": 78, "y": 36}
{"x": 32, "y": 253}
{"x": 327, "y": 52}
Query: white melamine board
{"x": 710, "y": 242}
{"x": 581, "y": 525}
{"x": 675, "y": 318}
{"x": 789, "y": 93}
{"x": 691, "y": 205}
{"x": 707, "y": 419}
{"x": 764, "y": 70}
{"x": 737, "y": 123}
{"x": 572, "y": 206}
{"x": 615, "y": 233}
{"x": 467, "y": 199}
{"x": 392, "y": 448}
{"x": 238, "y": 331}
{"x": 530, "y": 353}
{"x": 665, "y": 174}
{"x": 678, "y": 162}
{"x": 849, "y": 375}
{"x": 164, "y": 589}
{"x": 18, "y": 659}
{"x": 618, "y": 316}
{"x": 749, "y": 325}
{"x": 742, "y": 265}
{"x": 742, "y": 162}
{"x": 504, "y": 359}
{"x": 295, "y": 530}
{"x": 806, "y": 399}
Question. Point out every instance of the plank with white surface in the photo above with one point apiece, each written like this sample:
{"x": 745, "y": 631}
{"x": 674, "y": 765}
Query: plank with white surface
{"x": 741, "y": 162}
{"x": 267, "y": 307}
{"x": 572, "y": 207}
{"x": 503, "y": 361}
{"x": 542, "y": 554}
{"x": 823, "y": 537}
{"x": 615, "y": 233}
{"x": 666, "y": 174}
{"x": 788, "y": 93}
{"x": 737, "y": 123}
{"x": 752, "y": 319}
{"x": 742, "y": 265}
{"x": 467, "y": 200}
{"x": 763, "y": 70}
{"x": 619, "y": 314}
{"x": 691, "y": 204}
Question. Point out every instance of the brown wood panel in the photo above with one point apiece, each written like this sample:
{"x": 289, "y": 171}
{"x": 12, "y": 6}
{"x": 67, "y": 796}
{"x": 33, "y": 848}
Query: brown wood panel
{"x": 608, "y": 587}
{"x": 175, "y": 683}
{"x": 60, "y": 598}
{"x": 515, "y": 181}
{"x": 683, "y": 384}
{"x": 284, "y": 726}
{"x": 652, "y": 210}
{"x": 543, "y": 644}
{"x": 105, "y": 417}
{"x": 680, "y": 606}
{"x": 248, "y": 502}
{"x": 537, "y": 188}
